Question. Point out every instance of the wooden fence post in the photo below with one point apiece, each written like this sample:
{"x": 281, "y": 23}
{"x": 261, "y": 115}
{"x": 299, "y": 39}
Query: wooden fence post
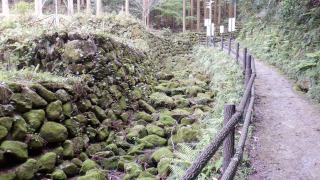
{"x": 248, "y": 70}
{"x": 237, "y": 52}
{"x": 214, "y": 41}
{"x": 221, "y": 42}
{"x": 207, "y": 40}
{"x": 229, "y": 46}
{"x": 228, "y": 143}
{"x": 245, "y": 50}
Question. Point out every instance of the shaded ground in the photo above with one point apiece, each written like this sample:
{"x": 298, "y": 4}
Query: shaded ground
{"x": 286, "y": 140}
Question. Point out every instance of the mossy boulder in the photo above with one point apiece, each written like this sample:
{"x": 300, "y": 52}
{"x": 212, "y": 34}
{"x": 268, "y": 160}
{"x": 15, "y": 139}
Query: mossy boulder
{"x": 155, "y": 140}
{"x": 143, "y": 116}
{"x": 73, "y": 127}
{"x": 181, "y": 102}
{"x": 27, "y": 170}
{"x": 21, "y": 103}
{"x": 15, "y": 149}
{"x": 63, "y": 95}
{"x": 44, "y": 93}
{"x": 6, "y": 110}
{"x": 187, "y": 121}
{"x": 94, "y": 174}
{"x": 153, "y": 129}
{"x": 100, "y": 113}
{"x": 138, "y": 149}
{"x": 80, "y": 119}
{"x": 69, "y": 168}
{"x": 93, "y": 120}
{"x": 178, "y": 114}
{"x": 161, "y": 153}
{"x": 46, "y": 163}
{"x": 163, "y": 167}
{"x": 91, "y": 132}
{"x": 58, "y": 174}
{"x": 78, "y": 145}
{"x": 203, "y": 98}
{"x": 53, "y": 132}
{"x": 75, "y": 50}
{"x": 54, "y": 110}
{"x": 6, "y": 122}
{"x": 3, "y": 132}
{"x": 110, "y": 163}
{"x": 37, "y": 101}
{"x": 167, "y": 120}
{"x": 35, "y": 141}
{"x": 132, "y": 170}
{"x": 68, "y": 149}
{"x": 8, "y": 176}
{"x": 192, "y": 91}
{"x": 185, "y": 134}
{"x": 159, "y": 99}
{"x": 34, "y": 118}
{"x": 147, "y": 107}
{"x": 93, "y": 149}
{"x": 67, "y": 109}
{"x": 115, "y": 92}
{"x": 88, "y": 165}
{"x": 77, "y": 162}
{"x": 19, "y": 129}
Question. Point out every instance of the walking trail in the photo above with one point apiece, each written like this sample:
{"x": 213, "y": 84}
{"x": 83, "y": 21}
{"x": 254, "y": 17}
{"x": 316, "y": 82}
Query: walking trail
{"x": 286, "y": 139}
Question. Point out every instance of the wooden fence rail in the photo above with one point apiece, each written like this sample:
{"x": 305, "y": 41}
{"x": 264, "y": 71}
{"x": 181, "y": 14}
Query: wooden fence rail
{"x": 232, "y": 117}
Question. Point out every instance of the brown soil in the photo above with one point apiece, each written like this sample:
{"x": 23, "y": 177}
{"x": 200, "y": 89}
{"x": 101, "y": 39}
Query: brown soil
{"x": 286, "y": 140}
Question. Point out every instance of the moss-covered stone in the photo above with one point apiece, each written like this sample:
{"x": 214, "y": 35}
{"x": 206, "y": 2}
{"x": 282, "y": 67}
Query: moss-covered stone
{"x": 178, "y": 114}
{"x": 35, "y": 141}
{"x": 58, "y": 174}
{"x": 103, "y": 133}
{"x": 63, "y": 95}
{"x": 6, "y": 110}
{"x": 37, "y": 101}
{"x": 113, "y": 148}
{"x": 137, "y": 149}
{"x": 80, "y": 119}
{"x": 3, "y": 132}
{"x": 166, "y": 120}
{"x": 47, "y": 162}
{"x": 152, "y": 171}
{"x": 34, "y": 118}
{"x": 59, "y": 152}
{"x": 19, "y": 129}
{"x": 155, "y": 140}
{"x": 91, "y": 132}
{"x": 93, "y": 120}
{"x": 8, "y": 176}
{"x": 15, "y": 149}
{"x": 53, "y": 132}
{"x": 136, "y": 94}
{"x": 27, "y": 170}
{"x": 147, "y": 107}
{"x": 78, "y": 145}
{"x": 185, "y": 134}
{"x": 77, "y": 162}
{"x": 115, "y": 92}
{"x": 94, "y": 174}
{"x": 88, "y": 165}
{"x": 69, "y": 168}
{"x": 153, "y": 129}
{"x": 161, "y": 153}
{"x": 93, "y": 149}
{"x": 162, "y": 100}
{"x": 21, "y": 103}
{"x": 6, "y": 122}
{"x": 67, "y": 109}
{"x": 192, "y": 91}
{"x": 44, "y": 93}
{"x": 54, "y": 110}
{"x": 68, "y": 149}
{"x": 100, "y": 113}
{"x": 187, "y": 121}
{"x": 146, "y": 176}
{"x": 110, "y": 163}
{"x": 143, "y": 116}
{"x": 83, "y": 156}
{"x": 181, "y": 102}
{"x": 133, "y": 169}
{"x": 74, "y": 129}
{"x": 163, "y": 167}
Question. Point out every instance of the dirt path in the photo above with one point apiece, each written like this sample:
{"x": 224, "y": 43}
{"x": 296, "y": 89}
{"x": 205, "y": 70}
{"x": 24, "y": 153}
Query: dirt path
{"x": 286, "y": 141}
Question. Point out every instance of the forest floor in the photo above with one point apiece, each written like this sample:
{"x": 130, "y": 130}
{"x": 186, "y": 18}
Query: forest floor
{"x": 286, "y": 140}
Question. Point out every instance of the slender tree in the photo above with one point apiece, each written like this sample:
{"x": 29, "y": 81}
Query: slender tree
{"x": 184, "y": 17}
{"x": 192, "y": 14}
{"x": 127, "y": 7}
{"x": 78, "y": 5}
{"x": 198, "y": 16}
{"x": 99, "y": 7}
{"x": 70, "y": 7}
{"x": 88, "y": 7}
{"x": 146, "y": 6}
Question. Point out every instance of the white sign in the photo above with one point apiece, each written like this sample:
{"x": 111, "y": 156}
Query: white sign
{"x": 221, "y": 29}
{"x": 212, "y": 30}
{"x": 232, "y": 24}
{"x": 206, "y": 22}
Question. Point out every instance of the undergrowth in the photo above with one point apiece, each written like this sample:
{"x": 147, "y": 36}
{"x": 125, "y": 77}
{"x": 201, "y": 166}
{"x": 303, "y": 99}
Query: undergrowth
{"x": 226, "y": 81}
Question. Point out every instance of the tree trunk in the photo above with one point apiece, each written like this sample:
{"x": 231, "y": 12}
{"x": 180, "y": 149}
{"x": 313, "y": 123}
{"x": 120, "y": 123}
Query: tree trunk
{"x": 215, "y": 21}
{"x": 191, "y": 14}
{"x": 219, "y": 16}
{"x": 99, "y": 7}
{"x": 36, "y": 6}
{"x": 78, "y": 6}
{"x": 59, "y": 5}
{"x": 205, "y": 10}
{"x": 70, "y": 7}
{"x": 198, "y": 16}
{"x": 40, "y": 7}
{"x": 88, "y": 7}
{"x": 127, "y": 7}
{"x": 184, "y": 17}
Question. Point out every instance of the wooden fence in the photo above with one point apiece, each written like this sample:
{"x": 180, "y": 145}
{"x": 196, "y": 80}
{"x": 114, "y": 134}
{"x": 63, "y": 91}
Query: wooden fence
{"x": 232, "y": 115}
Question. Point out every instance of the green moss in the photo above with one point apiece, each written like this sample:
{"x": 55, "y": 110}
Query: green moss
{"x": 68, "y": 149}
{"x": 100, "y": 113}
{"x": 3, "y": 132}
{"x": 143, "y": 116}
{"x": 185, "y": 134}
{"x": 58, "y": 174}
{"x": 37, "y": 101}
{"x": 69, "y": 168}
{"x": 161, "y": 153}
{"x": 19, "y": 130}
{"x": 27, "y": 170}
{"x": 178, "y": 114}
{"x": 34, "y": 118}
{"x": 8, "y": 176}
{"x": 94, "y": 174}
{"x": 47, "y": 162}
{"x": 147, "y": 107}
{"x": 166, "y": 120}
{"x": 162, "y": 100}
{"x": 62, "y": 95}
{"x": 54, "y": 110}
{"x": 67, "y": 110}
{"x": 153, "y": 129}
{"x": 88, "y": 165}
{"x": 6, "y": 122}
{"x": 155, "y": 140}
{"x": 15, "y": 149}
{"x": 44, "y": 93}
{"x": 21, "y": 103}
{"x": 53, "y": 132}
